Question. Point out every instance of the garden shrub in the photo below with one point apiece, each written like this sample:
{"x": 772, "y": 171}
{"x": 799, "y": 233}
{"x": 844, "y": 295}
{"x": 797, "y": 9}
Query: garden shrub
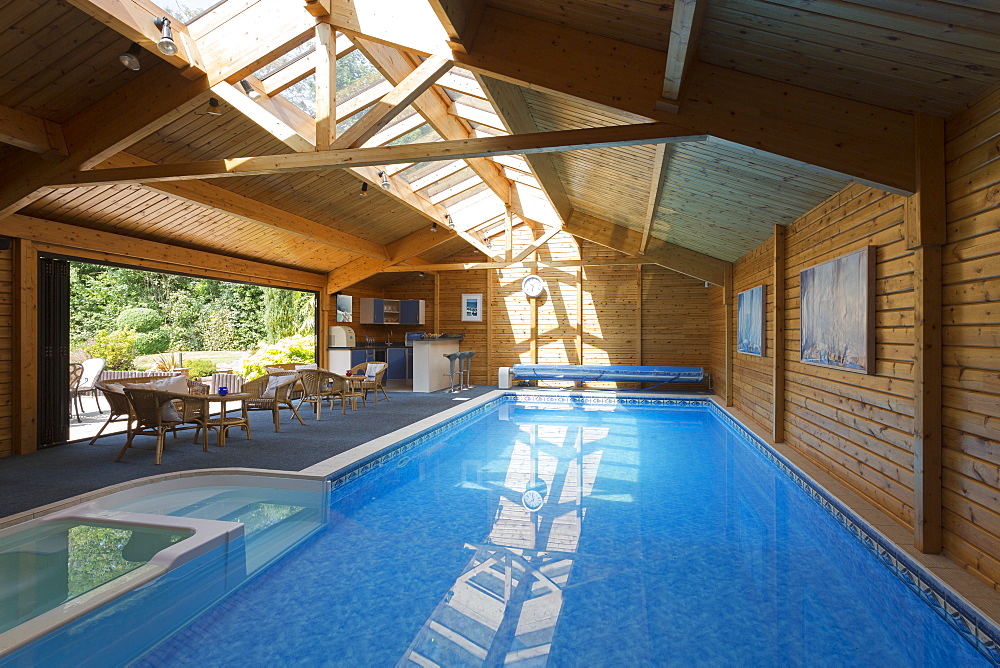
{"x": 151, "y": 343}
{"x": 117, "y": 348}
{"x": 297, "y": 349}
{"x": 201, "y": 368}
{"x": 139, "y": 319}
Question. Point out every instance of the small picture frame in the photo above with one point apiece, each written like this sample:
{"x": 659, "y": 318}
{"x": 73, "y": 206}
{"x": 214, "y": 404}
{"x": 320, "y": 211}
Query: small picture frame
{"x": 750, "y": 315}
{"x": 345, "y": 308}
{"x": 472, "y": 308}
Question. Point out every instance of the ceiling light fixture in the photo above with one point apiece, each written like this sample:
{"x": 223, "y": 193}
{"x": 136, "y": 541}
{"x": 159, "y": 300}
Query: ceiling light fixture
{"x": 385, "y": 180}
{"x": 364, "y": 190}
{"x": 214, "y": 108}
{"x": 447, "y": 218}
{"x": 130, "y": 59}
{"x": 434, "y": 226}
{"x": 251, "y": 92}
{"x": 421, "y": 274}
{"x": 166, "y": 45}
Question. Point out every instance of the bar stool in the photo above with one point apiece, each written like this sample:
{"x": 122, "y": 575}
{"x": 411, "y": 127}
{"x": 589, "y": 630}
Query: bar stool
{"x": 452, "y": 358}
{"x": 467, "y": 370}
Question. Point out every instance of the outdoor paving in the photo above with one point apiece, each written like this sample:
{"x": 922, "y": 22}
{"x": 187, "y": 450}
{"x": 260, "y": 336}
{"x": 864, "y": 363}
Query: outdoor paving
{"x": 59, "y": 472}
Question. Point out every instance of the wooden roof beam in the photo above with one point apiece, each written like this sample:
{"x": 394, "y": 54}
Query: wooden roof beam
{"x": 325, "y": 59}
{"x": 554, "y": 264}
{"x": 685, "y": 26}
{"x": 34, "y": 134}
{"x": 411, "y": 26}
{"x": 655, "y": 191}
{"x": 869, "y": 144}
{"x": 677, "y": 258}
{"x": 400, "y": 251}
{"x": 134, "y": 19}
{"x": 461, "y": 19}
{"x": 540, "y": 142}
{"x": 394, "y": 102}
{"x": 395, "y": 66}
{"x": 536, "y": 244}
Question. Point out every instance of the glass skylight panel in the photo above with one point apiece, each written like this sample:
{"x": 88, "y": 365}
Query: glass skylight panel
{"x": 187, "y": 11}
{"x": 425, "y": 133}
{"x": 355, "y": 75}
{"x": 303, "y": 95}
{"x": 301, "y": 51}
{"x": 449, "y": 181}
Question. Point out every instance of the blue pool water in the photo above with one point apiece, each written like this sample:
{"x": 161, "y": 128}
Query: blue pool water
{"x": 605, "y": 535}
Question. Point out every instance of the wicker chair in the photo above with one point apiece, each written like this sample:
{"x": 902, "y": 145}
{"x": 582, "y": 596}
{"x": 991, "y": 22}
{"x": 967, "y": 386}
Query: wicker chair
{"x": 75, "y": 374}
{"x": 153, "y": 416}
{"x": 344, "y": 388}
{"x": 320, "y": 385}
{"x": 281, "y": 399}
{"x": 371, "y": 385}
{"x": 117, "y": 401}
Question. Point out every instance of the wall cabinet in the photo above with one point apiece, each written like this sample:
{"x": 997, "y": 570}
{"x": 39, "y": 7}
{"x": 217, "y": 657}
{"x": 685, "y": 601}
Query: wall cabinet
{"x": 392, "y": 311}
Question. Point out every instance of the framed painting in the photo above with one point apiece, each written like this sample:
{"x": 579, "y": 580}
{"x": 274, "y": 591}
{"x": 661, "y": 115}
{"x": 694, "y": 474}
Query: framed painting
{"x": 345, "y": 308}
{"x": 837, "y": 312}
{"x": 472, "y": 308}
{"x": 750, "y": 311}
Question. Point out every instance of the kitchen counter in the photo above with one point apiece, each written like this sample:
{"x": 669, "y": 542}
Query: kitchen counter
{"x": 430, "y": 368}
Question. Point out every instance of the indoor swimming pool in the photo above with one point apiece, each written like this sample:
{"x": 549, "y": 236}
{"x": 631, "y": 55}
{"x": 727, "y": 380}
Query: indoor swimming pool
{"x": 550, "y": 531}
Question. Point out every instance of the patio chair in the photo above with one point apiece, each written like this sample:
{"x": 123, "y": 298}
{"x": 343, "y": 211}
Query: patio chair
{"x": 345, "y": 389}
{"x": 373, "y": 372}
{"x": 272, "y": 393}
{"x": 92, "y": 370}
{"x": 156, "y": 412}
{"x": 118, "y": 406}
{"x": 320, "y": 385}
{"x": 75, "y": 374}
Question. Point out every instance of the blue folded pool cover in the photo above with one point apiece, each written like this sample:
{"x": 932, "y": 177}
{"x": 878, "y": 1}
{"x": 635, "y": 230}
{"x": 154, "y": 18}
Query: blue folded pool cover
{"x": 609, "y": 372}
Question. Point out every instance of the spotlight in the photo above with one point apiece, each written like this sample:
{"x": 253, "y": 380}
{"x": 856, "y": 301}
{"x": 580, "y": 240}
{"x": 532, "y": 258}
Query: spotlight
{"x": 251, "y": 92}
{"x": 213, "y": 107}
{"x": 421, "y": 274}
{"x": 385, "y": 180}
{"x": 364, "y": 190}
{"x": 447, "y": 218}
{"x": 130, "y": 59}
{"x": 166, "y": 45}
{"x": 434, "y": 226}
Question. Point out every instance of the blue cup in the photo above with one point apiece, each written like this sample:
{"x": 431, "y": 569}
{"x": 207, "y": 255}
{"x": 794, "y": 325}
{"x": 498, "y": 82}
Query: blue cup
{"x": 223, "y": 391}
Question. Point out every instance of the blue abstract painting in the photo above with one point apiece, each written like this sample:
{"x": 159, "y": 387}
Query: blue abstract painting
{"x": 835, "y": 312}
{"x": 750, "y": 306}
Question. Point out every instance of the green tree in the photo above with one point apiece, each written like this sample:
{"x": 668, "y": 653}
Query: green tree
{"x": 281, "y": 313}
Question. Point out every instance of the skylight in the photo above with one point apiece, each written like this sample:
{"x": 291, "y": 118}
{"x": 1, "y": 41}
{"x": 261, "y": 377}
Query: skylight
{"x": 187, "y": 11}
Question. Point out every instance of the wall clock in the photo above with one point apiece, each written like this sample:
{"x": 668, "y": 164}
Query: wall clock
{"x": 532, "y": 286}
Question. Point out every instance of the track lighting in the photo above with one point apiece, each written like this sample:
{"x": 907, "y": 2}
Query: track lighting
{"x": 251, "y": 92}
{"x": 434, "y": 226}
{"x": 364, "y": 190}
{"x": 130, "y": 59}
{"x": 447, "y": 218}
{"x": 385, "y": 180}
{"x": 214, "y": 109}
{"x": 166, "y": 45}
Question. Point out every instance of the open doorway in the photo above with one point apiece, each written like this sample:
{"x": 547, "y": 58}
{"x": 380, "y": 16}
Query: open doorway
{"x": 115, "y": 321}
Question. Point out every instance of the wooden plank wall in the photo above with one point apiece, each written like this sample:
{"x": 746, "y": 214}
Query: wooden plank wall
{"x": 856, "y": 426}
{"x": 753, "y": 389}
{"x": 6, "y": 352}
{"x": 675, "y": 325}
{"x": 610, "y": 303}
{"x": 971, "y": 332}
{"x": 717, "y": 339}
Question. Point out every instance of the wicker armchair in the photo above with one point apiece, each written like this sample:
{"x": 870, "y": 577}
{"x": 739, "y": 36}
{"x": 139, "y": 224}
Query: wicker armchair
{"x": 281, "y": 399}
{"x": 371, "y": 385}
{"x": 320, "y": 385}
{"x": 117, "y": 401}
{"x": 156, "y": 412}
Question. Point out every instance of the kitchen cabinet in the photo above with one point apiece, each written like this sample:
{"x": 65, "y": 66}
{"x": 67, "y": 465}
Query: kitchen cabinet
{"x": 376, "y": 311}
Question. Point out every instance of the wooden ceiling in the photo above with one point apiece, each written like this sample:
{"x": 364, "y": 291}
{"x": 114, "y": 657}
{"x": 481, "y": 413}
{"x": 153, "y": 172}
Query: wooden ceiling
{"x": 719, "y": 198}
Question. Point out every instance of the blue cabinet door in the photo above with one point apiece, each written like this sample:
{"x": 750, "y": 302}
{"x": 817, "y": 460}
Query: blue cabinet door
{"x": 409, "y": 312}
{"x": 397, "y": 364}
{"x": 357, "y": 357}
{"x": 378, "y": 312}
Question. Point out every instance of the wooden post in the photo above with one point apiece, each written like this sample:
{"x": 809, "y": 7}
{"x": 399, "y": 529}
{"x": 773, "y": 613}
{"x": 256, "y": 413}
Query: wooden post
{"x": 437, "y": 303}
{"x": 778, "y": 352}
{"x": 926, "y": 231}
{"x": 508, "y": 242}
{"x": 25, "y": 347}
{"x": 325, "y": 57}
{"x": 727, "y": 297}
{"x": 323, "y": 322}
{"x": 579, "y": 314}
{"x": 488, "y": 318}
{"x": 638, "y": 315}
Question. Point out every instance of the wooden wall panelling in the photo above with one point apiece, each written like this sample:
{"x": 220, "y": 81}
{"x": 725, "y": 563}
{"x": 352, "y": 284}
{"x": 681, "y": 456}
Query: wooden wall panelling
{"x": 730, "y": 333}
{"x": 971, "y": 338}
{"x": 7, "y": 331}
{"x": 778, "y": 349}
{"x": 753, "y": 376}
{"x": 676, "y": 319}
{"x": 858, "y": 427}
{"x": 716, "y": 341}
{"x": 25, "y": 344}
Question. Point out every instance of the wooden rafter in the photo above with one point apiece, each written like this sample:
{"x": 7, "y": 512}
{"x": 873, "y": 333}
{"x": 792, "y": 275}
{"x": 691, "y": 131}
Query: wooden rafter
{"x": 655, "y": 190}
{"x": 685, "y": 24}
{"x": 394, "y": 102}
{"x": 461, "y": 19}
{"x": 541, "y": 142}
{"x": 555, "y": 264}
{"x": 536, "y": 244}
{"x": 408, "y": 25}
{"x": 32, "y": 133}
{"x": 325, "y": 61}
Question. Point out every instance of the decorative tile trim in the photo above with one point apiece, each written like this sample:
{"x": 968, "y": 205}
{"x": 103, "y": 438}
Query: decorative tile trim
{"x": 982, "y": 633}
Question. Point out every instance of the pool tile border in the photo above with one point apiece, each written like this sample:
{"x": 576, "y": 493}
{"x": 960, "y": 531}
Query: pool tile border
{"x": 972, "y": 625}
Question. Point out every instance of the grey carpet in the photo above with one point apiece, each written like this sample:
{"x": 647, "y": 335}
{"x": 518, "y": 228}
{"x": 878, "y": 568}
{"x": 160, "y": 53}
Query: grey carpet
{"x": 63, "y": 471}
